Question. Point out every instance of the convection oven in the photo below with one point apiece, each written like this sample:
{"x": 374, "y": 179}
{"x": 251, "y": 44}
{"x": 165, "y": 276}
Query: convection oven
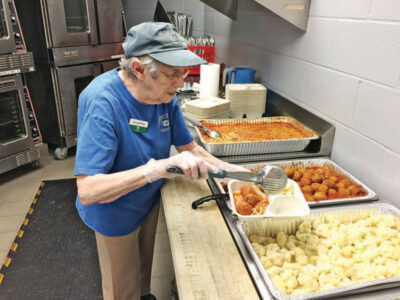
{"x": 82, "y": 22}
{"x": 72, "y": 41}
{"x": 15, "y": 133}
{"x": 11, "y": 38}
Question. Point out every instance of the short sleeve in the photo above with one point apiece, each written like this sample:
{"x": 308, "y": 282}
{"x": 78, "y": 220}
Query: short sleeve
{"x": 97, "y": 146}
{"x": 180, "y": 132}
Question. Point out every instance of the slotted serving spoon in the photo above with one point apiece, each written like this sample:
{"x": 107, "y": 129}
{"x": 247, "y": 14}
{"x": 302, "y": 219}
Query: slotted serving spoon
{"x": 211, "y": 133}
{"x": 271, "y": 178}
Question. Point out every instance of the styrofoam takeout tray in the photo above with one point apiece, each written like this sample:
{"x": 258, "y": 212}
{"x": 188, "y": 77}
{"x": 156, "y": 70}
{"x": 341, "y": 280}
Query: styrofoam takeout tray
{"x": 282, "y": 206}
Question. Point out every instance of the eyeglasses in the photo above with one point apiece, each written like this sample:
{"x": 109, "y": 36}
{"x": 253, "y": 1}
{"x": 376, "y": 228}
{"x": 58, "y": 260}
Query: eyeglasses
{"x": 176, "y": 75}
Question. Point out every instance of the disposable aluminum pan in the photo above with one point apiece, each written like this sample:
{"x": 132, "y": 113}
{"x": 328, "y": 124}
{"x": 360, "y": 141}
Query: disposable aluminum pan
{"x": 262, "y": 147}
{"x": 317, "y": 162}
{"x": 271, "y": 227}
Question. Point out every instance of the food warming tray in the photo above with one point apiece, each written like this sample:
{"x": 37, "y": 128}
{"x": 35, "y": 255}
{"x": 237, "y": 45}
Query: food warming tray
{"x": 262, "y": 147}
{"x": 370, "y": 196}
{"x": 350, "y": 212}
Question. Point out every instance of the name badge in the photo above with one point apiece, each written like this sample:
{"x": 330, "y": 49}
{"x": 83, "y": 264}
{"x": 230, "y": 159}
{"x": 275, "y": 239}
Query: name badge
{"x": 138, "y": 125}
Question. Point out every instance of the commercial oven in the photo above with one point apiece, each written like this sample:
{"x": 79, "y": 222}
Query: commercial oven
{"x": 82, "y": 22}
{"x": 72, "y": 41}
{"x": 58, "y": 118}
{"x": 11, "y": 38}
{"x": 15, "y": 135}
{"x": 7, "y": 44}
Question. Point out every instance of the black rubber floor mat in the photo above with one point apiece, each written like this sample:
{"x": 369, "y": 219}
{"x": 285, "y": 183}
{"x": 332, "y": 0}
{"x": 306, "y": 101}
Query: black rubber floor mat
{"x": 54, "y": 255}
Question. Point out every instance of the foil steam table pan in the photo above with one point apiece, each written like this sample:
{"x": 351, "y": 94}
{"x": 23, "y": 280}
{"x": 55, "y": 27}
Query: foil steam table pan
{"x": 270, "y": 227}
{"x": 261, "y": 147}
{"x": 370, "y": 196}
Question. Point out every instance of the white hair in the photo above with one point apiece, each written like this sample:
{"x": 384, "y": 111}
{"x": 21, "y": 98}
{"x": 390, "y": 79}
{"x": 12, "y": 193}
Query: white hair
{"x": 150, "y": 63}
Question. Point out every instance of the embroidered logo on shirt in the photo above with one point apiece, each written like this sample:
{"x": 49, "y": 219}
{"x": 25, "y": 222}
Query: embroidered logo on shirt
{"x": 164, "y": 122}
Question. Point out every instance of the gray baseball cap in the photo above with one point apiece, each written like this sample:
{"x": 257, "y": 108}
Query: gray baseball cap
{"x": 162, "y": 42}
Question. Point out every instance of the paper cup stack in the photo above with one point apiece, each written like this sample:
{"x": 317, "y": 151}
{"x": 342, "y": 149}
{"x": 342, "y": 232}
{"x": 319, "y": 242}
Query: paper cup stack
{"x": 208, "y": 108}
{"x": 246, "y": 98}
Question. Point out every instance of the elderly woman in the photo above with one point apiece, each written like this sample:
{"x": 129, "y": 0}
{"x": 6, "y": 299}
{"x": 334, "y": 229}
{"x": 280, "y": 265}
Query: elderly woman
{"x": 128, "y": 119}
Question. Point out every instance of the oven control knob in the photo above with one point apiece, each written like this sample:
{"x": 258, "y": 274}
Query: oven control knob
{"x": 13, "y": 19}
{"x": 17, "y": 35}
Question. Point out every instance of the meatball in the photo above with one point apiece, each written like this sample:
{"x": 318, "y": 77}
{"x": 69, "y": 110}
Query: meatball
{"x": 328, "y": 173}
{"x": 354, "y": 190}
{"x": 305, "y": 181}
{"x": 343, "y": 193}
{"x": 319, "y": 196}
{"x": 296, "y": 176}
{"x": 332, "y": 193}
{"x": 315, "y": 186}
{"x": 317, "y": 178}
{"x": 309, "y": 197}
{"x": 334, "y": 179}
{"x": 251, "y": 198}
{"x": 326, "y": 182}
{"x": 307, "y": 189}
{"x": 244, "y": 208}
{"x": 344, "y": 183}
{"x": 322, "y": 188}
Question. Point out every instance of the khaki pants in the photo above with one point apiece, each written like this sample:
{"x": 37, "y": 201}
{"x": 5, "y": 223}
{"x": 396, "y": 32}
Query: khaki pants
{"x": 126, "y": 261}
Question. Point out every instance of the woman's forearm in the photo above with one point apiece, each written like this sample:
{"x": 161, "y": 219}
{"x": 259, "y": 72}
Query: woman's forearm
{"x": 199, "y": 151}
{"x": 104, "y": 188}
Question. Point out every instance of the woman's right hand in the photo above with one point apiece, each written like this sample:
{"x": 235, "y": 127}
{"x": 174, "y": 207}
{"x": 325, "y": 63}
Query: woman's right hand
{"x": 192, "y": 166}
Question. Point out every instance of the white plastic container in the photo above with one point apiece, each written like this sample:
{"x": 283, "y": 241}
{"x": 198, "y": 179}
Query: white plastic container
{"x": 290, "y": 203}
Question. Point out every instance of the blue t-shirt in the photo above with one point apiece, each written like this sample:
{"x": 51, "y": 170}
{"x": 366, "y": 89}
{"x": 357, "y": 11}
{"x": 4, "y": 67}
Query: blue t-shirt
{"x": 107, "y": 144}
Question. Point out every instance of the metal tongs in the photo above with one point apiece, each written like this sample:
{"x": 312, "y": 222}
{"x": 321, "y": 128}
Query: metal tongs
{"x": 211, "y": 133}
{"x": 271, "y": 178}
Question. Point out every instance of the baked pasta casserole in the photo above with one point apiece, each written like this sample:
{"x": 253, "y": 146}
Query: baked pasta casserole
{"x": 256, "y": 132}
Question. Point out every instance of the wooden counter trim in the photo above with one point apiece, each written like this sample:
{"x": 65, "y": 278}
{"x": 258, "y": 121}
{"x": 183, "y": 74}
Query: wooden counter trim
{"x": 206, "y": 261}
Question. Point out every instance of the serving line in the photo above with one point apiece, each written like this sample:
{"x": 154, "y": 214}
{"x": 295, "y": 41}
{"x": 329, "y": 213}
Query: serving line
{"x": 209, "y": 262}
{"x": 260, "y": 284}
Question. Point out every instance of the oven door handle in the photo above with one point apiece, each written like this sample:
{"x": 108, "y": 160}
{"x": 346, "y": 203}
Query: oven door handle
{"x": 92, "y": 34}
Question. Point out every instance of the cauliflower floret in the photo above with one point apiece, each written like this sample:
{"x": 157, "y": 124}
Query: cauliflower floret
{"x": 265, "y": 262}
{"x": 281, "y": 239}
{"x": 274, "y": 270}
{"x": 259, "y": 249}
{"x": 276, "y": 258}
{"x": 312, "y": 242}
{"x": 290, "y": 245}
{"x": 279, "y": 283}
{"x": 305, "y": 227}
{"x": 272, "y": 248}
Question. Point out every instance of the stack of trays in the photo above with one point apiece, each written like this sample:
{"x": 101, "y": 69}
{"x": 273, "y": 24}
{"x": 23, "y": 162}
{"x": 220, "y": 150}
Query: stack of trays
{"x": 208, "y": 108}
{"x": 249, "y": 99}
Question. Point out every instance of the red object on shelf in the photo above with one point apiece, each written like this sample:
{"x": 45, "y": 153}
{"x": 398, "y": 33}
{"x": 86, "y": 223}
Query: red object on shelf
{"x": 205, "y": 52}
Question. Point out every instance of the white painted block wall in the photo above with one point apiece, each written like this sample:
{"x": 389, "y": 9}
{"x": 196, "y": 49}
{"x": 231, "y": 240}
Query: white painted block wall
{"x": 344, "y": 68}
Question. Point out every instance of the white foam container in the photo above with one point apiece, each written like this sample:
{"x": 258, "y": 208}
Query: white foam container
{"x": 284, "y": 205}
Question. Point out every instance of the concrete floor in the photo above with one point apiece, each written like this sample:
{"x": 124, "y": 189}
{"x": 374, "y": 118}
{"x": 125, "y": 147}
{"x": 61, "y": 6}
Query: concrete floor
{"x": 17, "y": 190}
